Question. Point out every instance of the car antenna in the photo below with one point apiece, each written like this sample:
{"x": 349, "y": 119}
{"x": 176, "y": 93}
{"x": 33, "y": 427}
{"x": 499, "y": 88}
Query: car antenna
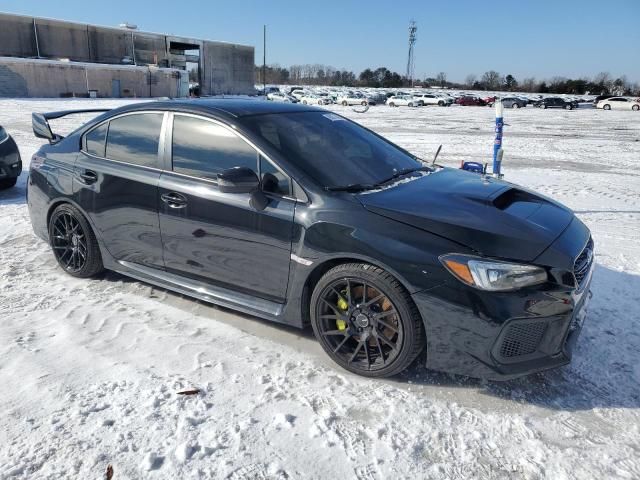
{"x": 436, "y": 155}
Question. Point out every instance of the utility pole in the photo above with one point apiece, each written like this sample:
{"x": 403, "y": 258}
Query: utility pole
{"x": 264, "y": 59}
{"x": 413, "y": 28}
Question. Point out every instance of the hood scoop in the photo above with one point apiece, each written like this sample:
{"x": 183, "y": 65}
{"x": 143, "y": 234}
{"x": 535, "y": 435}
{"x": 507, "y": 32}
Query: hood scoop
{"x": 494, "y": 218}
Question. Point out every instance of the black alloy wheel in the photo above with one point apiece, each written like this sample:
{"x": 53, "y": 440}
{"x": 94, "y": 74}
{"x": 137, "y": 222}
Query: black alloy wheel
{"x": 73, "y": 242}
{"x": 366, "y": 321}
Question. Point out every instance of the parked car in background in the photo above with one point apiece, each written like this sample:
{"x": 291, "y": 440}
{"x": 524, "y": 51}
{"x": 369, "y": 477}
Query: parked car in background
{"x": 469, "y": 100}
{"x": 433, "y": 99}
{"x": 513, "y": 102}
{"x": 312, "y": 99}
{"x": 490, "y": 101}
{"x": 281, "y": 97}
{"x": 402, "y": 100}
{"x": 601, "y": 97}
{"x": 618, "y": 103}
{"x": 554, "y": 102}
{"x": 352, "y": 99}
{"x": 299, "y": 94}
{"x": 10, "y": 161}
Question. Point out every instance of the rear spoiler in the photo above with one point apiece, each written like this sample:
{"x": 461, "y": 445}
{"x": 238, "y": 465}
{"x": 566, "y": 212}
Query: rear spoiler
{"x": 42, "y": 129}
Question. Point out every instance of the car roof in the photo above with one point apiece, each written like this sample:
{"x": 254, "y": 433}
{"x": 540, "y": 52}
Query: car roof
{"x": 233, "y": 107}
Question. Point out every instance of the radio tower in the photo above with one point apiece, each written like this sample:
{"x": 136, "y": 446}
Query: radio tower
{"x": 413, "y": 28}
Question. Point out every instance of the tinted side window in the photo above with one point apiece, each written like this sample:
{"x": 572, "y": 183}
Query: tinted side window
{"x": 204, "y": 149}
{"x": 273, "y": 180}
{"x": 134, "y": 139}
{"x": 94, "y": 141}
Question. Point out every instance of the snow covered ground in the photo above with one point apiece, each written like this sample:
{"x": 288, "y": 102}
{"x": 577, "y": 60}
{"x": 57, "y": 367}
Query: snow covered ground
{"x": 90, "y": 369}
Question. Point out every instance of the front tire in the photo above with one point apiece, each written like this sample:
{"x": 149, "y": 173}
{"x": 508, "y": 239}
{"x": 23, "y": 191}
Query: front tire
{"x": 366, "y": 321}
{"x": 515, "y": 105}
{"x": 8, "y": 183}
{"x": 392, "y": 104}
{"x": 344, "y": 104}
{"x": 606, "y": 107}
{"x": 635, "y": 108}
{"x": 73, "y": 243}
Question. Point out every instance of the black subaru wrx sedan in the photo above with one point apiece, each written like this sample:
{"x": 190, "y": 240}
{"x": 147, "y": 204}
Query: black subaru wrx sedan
{"x": 298, "y": 215}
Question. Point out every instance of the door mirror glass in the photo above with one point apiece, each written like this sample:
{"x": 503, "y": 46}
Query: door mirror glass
{"x": 238, "y": 180}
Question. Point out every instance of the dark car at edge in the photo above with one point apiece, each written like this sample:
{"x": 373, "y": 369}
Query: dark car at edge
{"x": 10, "y": 161}
{"x": 300, "y": 216}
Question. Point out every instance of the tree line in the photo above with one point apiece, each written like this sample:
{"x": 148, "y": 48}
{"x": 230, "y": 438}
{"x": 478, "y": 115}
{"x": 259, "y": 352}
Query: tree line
{"x": 318, "y": 74}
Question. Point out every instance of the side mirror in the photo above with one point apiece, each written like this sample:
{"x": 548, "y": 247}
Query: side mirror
{"x": 238, "y": 180}
{"x": 243, "y": 180}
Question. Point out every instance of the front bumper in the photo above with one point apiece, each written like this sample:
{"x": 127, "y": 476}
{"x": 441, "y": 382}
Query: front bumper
{"x": 501, "y": 336}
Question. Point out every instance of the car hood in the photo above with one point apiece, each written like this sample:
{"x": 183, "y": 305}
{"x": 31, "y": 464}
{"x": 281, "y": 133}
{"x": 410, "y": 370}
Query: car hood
{"x": 493, "y": 217}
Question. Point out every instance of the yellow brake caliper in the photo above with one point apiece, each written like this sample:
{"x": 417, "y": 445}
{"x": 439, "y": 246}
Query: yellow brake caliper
{"x": 344, "y": 306}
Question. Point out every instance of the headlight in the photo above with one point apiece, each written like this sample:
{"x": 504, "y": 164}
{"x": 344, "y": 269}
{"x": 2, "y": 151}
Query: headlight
{"x": 3, "y": 135}
{"x": 493, "y": 275}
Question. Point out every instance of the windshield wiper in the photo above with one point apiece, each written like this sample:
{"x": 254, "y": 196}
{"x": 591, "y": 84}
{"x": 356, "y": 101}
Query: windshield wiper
{"x": 352, "y": 187}
{"x": 359, "y": 187}
{"x": 402, "y": 173}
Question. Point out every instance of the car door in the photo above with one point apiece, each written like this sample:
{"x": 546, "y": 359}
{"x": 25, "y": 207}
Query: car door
{"x": 620, "y": 104}
{"x": 116, "y": 183}
{"x": 217, "y": 237}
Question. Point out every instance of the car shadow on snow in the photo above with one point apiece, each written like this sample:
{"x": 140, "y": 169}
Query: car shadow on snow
{"x": 15, "y": 195}
{"x": 604, "y": 373}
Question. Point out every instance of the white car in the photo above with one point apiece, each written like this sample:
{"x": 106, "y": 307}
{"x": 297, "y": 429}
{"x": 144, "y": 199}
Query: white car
{"x": 619, "y": 103}
{"x": 402, "y": 100}
{"x": 433, "y": 99}
{"x": 299, "y": 94}
{"x": 311, "y": 99}
{"x": 350, "y": 99}
{"x": 281, "y": 97}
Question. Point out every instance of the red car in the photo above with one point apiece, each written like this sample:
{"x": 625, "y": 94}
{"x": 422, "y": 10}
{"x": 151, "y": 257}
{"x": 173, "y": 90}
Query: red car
{"x": 473, "y": 101}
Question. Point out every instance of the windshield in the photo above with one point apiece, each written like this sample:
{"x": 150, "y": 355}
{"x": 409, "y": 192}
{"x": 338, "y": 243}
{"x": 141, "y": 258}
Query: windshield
{"x": 330, "y": 149}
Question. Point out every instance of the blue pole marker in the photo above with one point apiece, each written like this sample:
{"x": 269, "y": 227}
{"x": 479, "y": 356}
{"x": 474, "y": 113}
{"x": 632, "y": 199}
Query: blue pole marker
{"x": 497, "y": 144}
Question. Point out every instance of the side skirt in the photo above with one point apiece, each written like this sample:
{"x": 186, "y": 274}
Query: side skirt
{"x": 208, "y": 293}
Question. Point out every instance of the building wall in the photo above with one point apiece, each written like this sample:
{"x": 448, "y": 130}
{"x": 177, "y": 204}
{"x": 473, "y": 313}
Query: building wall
{"x": 47, "y": 78}
{"x": 225, "y": 68}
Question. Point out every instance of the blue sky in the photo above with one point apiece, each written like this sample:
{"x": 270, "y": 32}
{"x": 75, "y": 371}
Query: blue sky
{"x": 538, "y": 38}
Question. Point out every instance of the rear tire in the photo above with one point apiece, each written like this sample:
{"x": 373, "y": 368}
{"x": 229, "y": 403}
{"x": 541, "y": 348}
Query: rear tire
{"x": 392, "y": 104}
{"x": 364, "y": 104}
{"x": 366, "y": 321}
{"x": 344, "y": 104}
{"x": 515, "y": 105}
{"x": 8, "y": 183}
{"x": 73, "y": 242}
{"x": 410, "y": 105}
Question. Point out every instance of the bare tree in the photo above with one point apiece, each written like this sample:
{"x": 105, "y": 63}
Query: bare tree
{"x": 528, "y": 84}
{"x": 491, "y": 80}
{"x": 441, "y": 78}
{"x": 470, "y": 80}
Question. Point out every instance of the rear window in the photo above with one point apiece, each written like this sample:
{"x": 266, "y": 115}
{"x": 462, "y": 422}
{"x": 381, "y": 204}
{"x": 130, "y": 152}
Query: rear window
{"x": 134, "y": 139}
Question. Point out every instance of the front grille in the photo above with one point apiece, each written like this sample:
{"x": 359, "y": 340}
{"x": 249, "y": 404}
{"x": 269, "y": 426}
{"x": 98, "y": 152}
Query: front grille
{"x": 522, "y": 339}
{"x": 582, "y": 265}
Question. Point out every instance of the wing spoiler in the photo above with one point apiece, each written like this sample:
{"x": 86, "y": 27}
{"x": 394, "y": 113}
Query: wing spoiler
{"x": 42, "y": 129}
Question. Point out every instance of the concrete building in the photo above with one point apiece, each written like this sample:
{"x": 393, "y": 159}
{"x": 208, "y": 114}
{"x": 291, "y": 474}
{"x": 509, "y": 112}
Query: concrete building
{"x": 52, "y": 58}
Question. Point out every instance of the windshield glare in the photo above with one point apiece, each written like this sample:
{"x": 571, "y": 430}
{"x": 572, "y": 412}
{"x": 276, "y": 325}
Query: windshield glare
{"x": 330, "y": 149}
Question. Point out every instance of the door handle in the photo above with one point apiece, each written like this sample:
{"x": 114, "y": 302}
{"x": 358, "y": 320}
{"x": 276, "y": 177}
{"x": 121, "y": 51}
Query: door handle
{"x": 174, "y": 200}
{"x": 88, "y": 177}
